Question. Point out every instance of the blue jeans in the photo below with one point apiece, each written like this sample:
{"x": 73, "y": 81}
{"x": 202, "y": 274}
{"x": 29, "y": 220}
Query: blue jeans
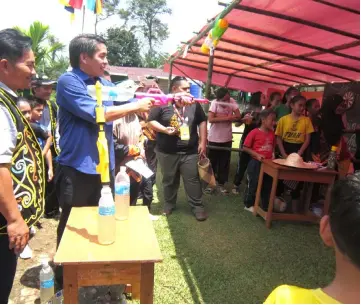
{"x": 253, "y": 169}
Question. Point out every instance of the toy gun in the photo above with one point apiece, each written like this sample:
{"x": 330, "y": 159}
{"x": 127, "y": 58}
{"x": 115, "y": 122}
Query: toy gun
{"x": 215, "y": 34}
{"x": 164, "y": 99}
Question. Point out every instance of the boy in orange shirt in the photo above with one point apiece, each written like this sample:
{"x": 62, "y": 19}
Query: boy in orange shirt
{"x": 341, "y": 231}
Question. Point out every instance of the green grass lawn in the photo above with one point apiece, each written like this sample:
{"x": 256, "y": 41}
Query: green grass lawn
{"x": 232, "y": 257}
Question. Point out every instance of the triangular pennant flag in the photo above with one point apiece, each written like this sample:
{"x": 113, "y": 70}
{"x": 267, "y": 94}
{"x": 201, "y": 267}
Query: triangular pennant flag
{"x": 77, "y": 4}
{"x": 64, "y": 2}
{"x": 71, "y": 11}
{"x": 98, "y": 7}
{"x": 90, "y": 4}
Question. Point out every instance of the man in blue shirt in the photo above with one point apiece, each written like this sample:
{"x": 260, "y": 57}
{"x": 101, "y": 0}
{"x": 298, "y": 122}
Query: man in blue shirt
{"x": 77, "y": 181}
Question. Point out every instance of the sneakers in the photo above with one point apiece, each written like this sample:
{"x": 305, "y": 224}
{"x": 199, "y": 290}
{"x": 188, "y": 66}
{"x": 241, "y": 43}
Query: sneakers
{"x": 26, "y": 253}
{"x": 32, "y": 231}
{"x": 168, "y": 211}
{"x": 153, "y": 217}
{"x": 235, "y": 190}
{"x": 201, "y": 215}
{"x": 250, "y": 209}
{"x": 223, "y": 190}
{"x": 208, "y": 191}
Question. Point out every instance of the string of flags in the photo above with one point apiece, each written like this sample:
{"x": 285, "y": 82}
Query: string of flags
{"x": 96, "y": 6}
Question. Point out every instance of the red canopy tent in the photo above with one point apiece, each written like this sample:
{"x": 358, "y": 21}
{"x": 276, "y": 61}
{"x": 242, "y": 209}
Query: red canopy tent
{"x": 277, "y": 44}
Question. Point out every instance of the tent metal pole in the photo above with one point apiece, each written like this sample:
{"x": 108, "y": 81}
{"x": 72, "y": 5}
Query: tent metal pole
{"x": 170, "y": 76}
{"x": 209, "y": 74}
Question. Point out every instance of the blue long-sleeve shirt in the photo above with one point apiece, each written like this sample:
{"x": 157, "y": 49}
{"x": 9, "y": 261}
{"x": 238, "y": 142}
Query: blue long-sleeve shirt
{"x": 77, "y": 126}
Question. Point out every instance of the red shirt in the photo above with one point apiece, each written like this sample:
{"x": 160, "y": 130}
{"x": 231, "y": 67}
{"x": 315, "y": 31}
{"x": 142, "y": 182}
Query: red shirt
{"x": 261, "y": 142}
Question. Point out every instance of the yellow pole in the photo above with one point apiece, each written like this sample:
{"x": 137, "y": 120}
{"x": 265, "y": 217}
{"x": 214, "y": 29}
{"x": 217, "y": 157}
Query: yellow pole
{"x": 102, "y": 144}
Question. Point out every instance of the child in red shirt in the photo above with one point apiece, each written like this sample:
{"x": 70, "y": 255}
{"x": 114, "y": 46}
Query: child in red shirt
{"x": 260, "y": 144}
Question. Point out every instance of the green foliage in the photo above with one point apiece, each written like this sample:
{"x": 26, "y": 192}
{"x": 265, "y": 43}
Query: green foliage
{"x": 45, "y": 46}
{"x": 123, "y": 47}
{"x": 147, "y": 15}
{"x": 156, "y": 60}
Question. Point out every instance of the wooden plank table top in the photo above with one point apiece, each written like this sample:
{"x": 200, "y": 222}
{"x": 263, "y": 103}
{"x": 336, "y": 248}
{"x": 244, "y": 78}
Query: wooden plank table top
{"x": 277, "y": 172}
{"x": 129, "y": 260}
{"x": 135, "y": 241}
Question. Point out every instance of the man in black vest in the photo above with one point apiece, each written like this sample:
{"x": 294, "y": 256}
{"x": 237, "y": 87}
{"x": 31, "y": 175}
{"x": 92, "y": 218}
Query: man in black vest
{"x": 21, "y": 163}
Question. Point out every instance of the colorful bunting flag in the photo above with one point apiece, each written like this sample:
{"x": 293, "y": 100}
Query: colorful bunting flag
{"x": 98, "y": 7}
{"x": 90, "y": 4}
{"x": 77, "y": 4}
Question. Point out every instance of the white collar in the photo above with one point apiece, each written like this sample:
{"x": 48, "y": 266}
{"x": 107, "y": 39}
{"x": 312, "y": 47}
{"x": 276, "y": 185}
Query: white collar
{"x": 8, "y": 90}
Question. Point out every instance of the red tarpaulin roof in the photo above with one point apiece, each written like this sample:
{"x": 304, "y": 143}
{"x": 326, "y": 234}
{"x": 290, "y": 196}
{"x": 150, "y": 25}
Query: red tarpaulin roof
{"x": 278, "y": 43}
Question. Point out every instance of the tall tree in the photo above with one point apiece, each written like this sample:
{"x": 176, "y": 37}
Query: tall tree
{"x": 123, "y": 48}
{"x": 146, "y": 16}
{"x": 45, "y": 46}
{"x": 156, "y": 60}
{"x": 110, "y": 8}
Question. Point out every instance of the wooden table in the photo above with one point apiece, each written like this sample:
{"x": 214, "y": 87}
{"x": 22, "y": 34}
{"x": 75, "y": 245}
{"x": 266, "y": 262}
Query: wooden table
{"x": 277, "y": 172}
{"x": 130, "y": 260}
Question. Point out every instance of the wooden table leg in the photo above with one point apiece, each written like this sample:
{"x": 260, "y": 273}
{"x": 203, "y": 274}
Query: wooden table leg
{"x": 70, "y": 279}
{"x": 328, "y": 197}
{"x": 258, "y": 193}
{"x": 308, "y": 196}
{"x": 146, "y": 283}
{"x": 271, "y": 201}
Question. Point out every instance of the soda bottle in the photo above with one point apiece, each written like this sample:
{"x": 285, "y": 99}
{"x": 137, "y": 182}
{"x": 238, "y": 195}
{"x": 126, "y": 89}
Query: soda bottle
{"x": 106, "y": 217}
{"x": 46, "y": 281}
{"x": 332, "y": 158}
{"x": 122, "y": 194}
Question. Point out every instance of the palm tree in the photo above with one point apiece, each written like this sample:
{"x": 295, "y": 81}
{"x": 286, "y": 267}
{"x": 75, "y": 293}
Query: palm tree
{"x": 45, "y": 46}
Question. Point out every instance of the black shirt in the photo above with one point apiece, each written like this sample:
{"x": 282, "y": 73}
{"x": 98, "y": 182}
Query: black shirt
{"x": 40, "y": 134}
{"x": 249, "y": 127}
{"x": 166, "y": 116}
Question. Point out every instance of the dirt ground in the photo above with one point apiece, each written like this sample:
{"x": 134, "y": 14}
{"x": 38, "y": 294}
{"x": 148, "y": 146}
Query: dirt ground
{"x": 26, "y": 284}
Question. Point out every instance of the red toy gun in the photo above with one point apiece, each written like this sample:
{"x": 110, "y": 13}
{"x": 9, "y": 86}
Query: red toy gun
{"x": 164, "y": 99}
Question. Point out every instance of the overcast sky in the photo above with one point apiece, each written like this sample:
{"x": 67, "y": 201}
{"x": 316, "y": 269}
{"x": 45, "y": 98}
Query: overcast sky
{"x": 188, "y": 16}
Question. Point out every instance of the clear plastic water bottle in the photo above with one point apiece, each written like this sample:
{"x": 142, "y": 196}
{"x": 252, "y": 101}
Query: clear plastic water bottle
{"x": 122, "y": 194}
{"x": 332, "y": 158}
{"x": 46, "y": 281}
{"x": 106, "y": 217}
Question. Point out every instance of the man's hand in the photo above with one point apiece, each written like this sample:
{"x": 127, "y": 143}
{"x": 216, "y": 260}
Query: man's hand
{"x": 170, "y": 131}
{"x": 202, "y": 147}
{"x": 183, "y": 98}
{"x": 18, "y": 232}
{"x": 259, "y": 157}
{"x": 145, "y": 104}
{"x": 50, "y": 174}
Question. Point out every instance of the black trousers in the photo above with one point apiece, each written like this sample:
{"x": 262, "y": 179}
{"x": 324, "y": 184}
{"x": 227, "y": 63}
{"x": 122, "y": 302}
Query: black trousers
{"x": 220, "y": 160}
{"x": 8, "y": 262}
{"x": 146, "y": 186}
{"x": 296, "y": 193}
{"x": 242, "y": 164}
{"x": 253, "y": 169}
{"x": 51, "y": 199}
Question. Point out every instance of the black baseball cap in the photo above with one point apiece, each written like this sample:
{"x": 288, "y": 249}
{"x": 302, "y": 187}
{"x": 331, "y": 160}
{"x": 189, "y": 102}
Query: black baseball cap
{"x": 42, "y": 80}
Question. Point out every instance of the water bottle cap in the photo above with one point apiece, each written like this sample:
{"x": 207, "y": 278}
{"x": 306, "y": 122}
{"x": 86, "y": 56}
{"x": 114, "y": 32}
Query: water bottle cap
{"x": 123, "y": 169}
{"x": 334, "y": 148}
{"x": 44, "y": 260}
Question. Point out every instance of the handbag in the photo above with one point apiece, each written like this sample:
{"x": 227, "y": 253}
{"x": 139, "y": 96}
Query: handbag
{"x": 206, "y": 174}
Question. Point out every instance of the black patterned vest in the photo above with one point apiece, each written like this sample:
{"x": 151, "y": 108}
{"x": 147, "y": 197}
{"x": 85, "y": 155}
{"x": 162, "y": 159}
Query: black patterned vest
{"x": 53, "y": 111}
{"x": 27, "y": 167}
